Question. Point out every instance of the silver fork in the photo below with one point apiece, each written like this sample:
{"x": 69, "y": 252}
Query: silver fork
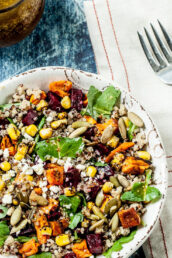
{"x": 161, "y": 62}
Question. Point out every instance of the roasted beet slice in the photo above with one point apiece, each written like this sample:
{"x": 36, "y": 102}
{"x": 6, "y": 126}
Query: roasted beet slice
{"x": 54, "y": 215}
{"x": 95, "y": 244}
{"x": 89, "y": 133}
{"x": 70, "y": 255}
{"x": 94, "y": 191}
{"x": 102, "y": 149}
{"x": 30, "y": 117}
{"x": 72, "y": 177}
{"x": 108, "y": 171}
{"x": 76, "y": 99}
{"x": 54, "y": 101}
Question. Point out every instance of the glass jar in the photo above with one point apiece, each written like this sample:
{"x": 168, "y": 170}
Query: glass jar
{"x": 18, "y": 18}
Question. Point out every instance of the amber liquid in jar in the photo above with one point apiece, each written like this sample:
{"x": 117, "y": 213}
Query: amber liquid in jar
{"x": 18, "y": 18}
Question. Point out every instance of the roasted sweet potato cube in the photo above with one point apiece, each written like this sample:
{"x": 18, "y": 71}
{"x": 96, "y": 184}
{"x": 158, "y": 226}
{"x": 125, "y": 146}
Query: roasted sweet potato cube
{"x": 53, "y": 204}
{"x": 129, "y": 218}
{"x": 57, "y": 228}
{"x": 61, "y": 88}
{"x": 41, "y": 222}
{"x": 134, "y": 166}
{"x": 65, "y": 223}
{"x": 55, "y": 174}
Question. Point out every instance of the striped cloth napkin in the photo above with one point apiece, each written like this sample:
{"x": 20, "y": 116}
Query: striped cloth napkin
{"x": 113, "y": 26}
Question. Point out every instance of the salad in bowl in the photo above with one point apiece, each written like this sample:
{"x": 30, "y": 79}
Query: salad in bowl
{"x": 76, "y": 175}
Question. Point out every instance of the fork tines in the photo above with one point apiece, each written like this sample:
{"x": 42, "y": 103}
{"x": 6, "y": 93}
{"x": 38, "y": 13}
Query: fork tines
{"x": 162, "y": 63}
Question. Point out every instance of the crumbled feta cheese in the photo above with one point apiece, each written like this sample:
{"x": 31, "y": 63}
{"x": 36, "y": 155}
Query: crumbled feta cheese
{"x": 54, "y": 189}
{"x": 44, "y": 195}
{"x": 42, "y": 183}
{"x": 6, "y": 177}
{"x": 67, "y": 164}
{"x": 83, "y": 174}
{"x": 11, "y": 173}
{"x": 7, "y": 199}
{"x": 27, "y": 136}
{"x": 44, "y": 189}
{"x": 39, "y": 169}
{"x": 80, "y": 167}
{"x": 6, "y": 153}
{"x": 60, "y": 162}
{"x": 1, "y": 152}
{"x": 49, "y": 119}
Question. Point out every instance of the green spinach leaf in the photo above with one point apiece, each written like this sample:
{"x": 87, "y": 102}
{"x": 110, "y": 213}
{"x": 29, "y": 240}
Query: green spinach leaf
{"x": 100, "y": 164}
{"x": 24, "y": 239}
{"x": 152, "y": 194}
{"x": 70, "y": 204}
{"x": 118, "y": 245}
{"x": 82, "y": 196}
{"x": 9, "y": 105}
{"x": 4, "y": 232}
{"x": 3, "y": 211}
{"x": 131, "y": 130}
{"x": 41, "y": 255}
{"x": 101, "y": 103}
{"x": 70, "y": 147}
{"x": 75, "y": 220}
{"x": 47, "y": 148}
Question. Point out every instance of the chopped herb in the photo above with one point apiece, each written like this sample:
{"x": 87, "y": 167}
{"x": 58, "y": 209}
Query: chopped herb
{"x": 41, "y": 255}
{"x": 131, "y": 130}
{"x": 3, "y": 211}
{"x": 100, "y": 164}
{"x": 24, "y": 239}
{"x": 5, "y": 106}
{"x": 4, "y": 232}
{"x": 75, "y": 220}
{"x": 41, "y": 124}
{"x": 11, "y": 120}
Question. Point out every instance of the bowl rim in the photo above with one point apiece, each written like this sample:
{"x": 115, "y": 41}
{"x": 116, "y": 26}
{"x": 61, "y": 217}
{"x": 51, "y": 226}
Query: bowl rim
{"x": 109, "y": 81}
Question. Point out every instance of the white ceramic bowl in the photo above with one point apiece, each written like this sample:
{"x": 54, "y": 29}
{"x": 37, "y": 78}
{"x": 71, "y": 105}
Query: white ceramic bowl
{"x": 41, "y": 77}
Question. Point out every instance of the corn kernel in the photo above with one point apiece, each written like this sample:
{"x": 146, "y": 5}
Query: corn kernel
{"x": 15, "y": 202}
{"x": 91, "y": 171}
{"x": 117, "y": 160}
{"x": 42, "y": 104}
{"x": 113, "y": 142}
{"x": 2, "y": 184}
{"x": 58, "y": 123}
{"x": 143, "y": 155}
{"x": 31, "y": 130}
{"x": 107, "y": 187}
{"x": 13, "y": 132}
{"x": 66, "y": 102}
{"x": 69, "y": 191}
{"x": 29, "y": 178}
{"x": 62, "y": 115}
{"x": 90, "y": 205}
{"x": 126, "y": 121}
{"x": 85, "y": 223}
{"x": 45, "y": 133}
{"x": 5, "y": 166}
{"x": 46, "y": 231}
{"x": 21, "y": 152}
{"x": 62, "y": 240}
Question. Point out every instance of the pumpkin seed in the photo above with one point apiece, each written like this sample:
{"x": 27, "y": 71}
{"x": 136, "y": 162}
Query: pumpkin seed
{"x": 123, "y": 181}
{"x": 114, "y": 181}
{"x": 10, "y": 211}
{"x": 16, "y": 216}
{"x": 40, "y": 200}
{"x": 113, "y": 209}
{"x": 122, "y": 128}
{"x": 22, "y": 198}
{"x": 79, "y": 124}
{"x": 135, "y": 119}
{"x": 78, "y": 132}
{"x": 99, "y": 198}
{"x": 98, "y": 213}
{"x": 114, "y": 222}
{"x": 93, "y": 217}
{"x": 97, "y": 224}
{"x": 107, "y": 134}
{"x": 22, "y": 225}
{"x": 110, "y": 204}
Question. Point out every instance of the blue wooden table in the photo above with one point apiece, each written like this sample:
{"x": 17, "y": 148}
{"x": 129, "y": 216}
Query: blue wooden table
{"x": 61, "y": 38}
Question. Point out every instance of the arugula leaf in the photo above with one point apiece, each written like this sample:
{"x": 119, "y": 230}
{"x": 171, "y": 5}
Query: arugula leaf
{"x": 75, "y": 220}
{"x": 142, "y": 192}
{"x": 24, "y": 239}
{"x": 41, "y": 255}
{"x": 101, "y": 103}
{"x": 3, "y": 211}
{"x": 70, "y": 204}
{"x": 70, "y": 147}
{"x": 59, "y": 147}
{"x": 9, "y": 105}
{"x": 82, "y": 196}
{"x": 4, "y": 232}
{"x": 41, "y": 124}
{"x": 131, "y": 130}
{"x": 100, "y": 164}
{"x": 49, "y": 148}
{"x": 118, "y": 245}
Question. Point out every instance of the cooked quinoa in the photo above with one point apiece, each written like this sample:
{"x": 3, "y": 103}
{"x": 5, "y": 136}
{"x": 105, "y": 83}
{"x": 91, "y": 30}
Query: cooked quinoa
{"x": 75, "y": 172}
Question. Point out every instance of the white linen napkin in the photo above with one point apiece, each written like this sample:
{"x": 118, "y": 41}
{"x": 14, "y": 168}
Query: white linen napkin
{"x": 113, "y": 26}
